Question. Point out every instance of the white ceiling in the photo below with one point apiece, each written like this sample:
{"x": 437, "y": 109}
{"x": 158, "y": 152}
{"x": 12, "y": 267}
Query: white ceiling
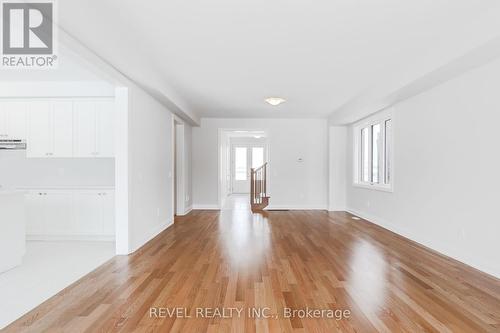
{"x": 221, "y": 58}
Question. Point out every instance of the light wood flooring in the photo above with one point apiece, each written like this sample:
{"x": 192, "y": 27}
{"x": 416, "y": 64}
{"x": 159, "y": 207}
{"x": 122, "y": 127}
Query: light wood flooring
{"x": 276, "y": 262}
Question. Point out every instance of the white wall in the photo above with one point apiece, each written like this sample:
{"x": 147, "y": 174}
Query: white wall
{"x": 292, "y": 184}
{"x": 446, "y": 188}
{"x": 150, "y": 167}
{"x": 338, "y": 172}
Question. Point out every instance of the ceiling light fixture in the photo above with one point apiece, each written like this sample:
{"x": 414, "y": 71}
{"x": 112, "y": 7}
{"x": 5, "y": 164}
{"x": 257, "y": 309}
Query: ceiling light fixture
{"x": 275, "y": 101}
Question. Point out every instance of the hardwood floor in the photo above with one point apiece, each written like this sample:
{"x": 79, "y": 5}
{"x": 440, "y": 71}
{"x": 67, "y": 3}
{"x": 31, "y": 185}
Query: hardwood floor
{"x": 282, "y": 261}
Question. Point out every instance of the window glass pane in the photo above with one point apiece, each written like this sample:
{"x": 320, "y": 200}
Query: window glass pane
{"x": 365, "y": 155}
{"x": 376, "y": 132}
{"x": 240, "y": 163}
{"x": 257, "y": 157}
{"x": 388, "y": 150}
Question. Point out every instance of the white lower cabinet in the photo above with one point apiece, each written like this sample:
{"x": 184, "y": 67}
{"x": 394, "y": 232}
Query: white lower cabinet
{"x": 70, "y": 214}
{"x": 94, "y": 212}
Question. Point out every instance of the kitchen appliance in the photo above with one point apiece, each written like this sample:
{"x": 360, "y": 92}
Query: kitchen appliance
{"x": 12, "y": 144}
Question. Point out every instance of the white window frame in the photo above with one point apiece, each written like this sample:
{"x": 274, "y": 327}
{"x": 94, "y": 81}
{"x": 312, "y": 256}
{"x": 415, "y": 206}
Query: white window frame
{"x": 381, "y": 119}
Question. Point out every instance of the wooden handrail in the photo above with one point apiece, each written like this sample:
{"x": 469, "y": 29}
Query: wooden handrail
{"x": 258, "y": 185}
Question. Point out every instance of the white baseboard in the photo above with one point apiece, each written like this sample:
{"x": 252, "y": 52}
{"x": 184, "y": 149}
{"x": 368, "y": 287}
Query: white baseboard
{"x": 152, "y": 234}
{"x": 205, "y": 207}
{"x": 50, "y": 238}
{"x": 186, "y": 211}
{"x": 295, "y": 207}
{"x": 10, "y": 263}
{"x": 436, "y": 245}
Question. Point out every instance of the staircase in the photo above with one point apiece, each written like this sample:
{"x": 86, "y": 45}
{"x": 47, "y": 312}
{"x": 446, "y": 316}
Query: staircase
{"x": 258, "y": 188}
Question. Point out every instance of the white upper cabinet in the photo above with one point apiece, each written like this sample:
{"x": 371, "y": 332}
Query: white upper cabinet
{"x": 39, "y": 142}
{"x": 85, "y": 129}
{"x": 13, "y": 120}
{"x": 94, "y": 133}
{"x": 50, "y": 129}
{"x": 105, "y": 116}
{"x": 64, "y": 128}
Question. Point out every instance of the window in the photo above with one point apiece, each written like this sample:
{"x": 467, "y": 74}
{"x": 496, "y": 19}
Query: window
{"x": 373, "y": 151}
{"x": 240, "y": 163}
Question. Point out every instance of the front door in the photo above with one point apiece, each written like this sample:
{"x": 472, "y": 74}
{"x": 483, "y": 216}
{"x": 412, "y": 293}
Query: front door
{"x": 243, "y": 158}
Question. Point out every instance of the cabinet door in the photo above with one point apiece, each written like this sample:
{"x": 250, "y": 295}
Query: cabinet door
{"x": 108, "y": 212}
{"x": 16, "y": 120}
{"x": 105, "y": 114}
{"x": 35, "y": 213}
{"x": 87, "y": 213}
{"x": 39, "y": 128}
{"x": 85, "y": 129}
{"x": 62, "y": 128}
{"x": 57, "y": 207}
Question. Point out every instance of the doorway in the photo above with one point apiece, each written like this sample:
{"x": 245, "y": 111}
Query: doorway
{"x": 239, "y": 151}
{"x": 245, "y": 157}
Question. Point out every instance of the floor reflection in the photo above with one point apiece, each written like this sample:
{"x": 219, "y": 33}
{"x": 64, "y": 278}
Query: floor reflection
{"x": 245, "y": 235}
{"x": 368, "y": 276}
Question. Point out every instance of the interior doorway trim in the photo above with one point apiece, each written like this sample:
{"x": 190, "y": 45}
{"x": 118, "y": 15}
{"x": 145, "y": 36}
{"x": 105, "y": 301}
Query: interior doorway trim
{"x": 220, "y": 155}
{"x": 179, "y": 166}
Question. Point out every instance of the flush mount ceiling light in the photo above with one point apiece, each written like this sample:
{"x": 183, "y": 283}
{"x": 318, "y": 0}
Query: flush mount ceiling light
{"x": 275, "y": 101}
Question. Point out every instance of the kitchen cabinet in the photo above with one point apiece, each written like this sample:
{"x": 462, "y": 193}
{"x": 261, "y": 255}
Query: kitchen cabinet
{"x": 105, "y": 137}
{"x": 39, "y": 138}
{"x": 63, "y": 128}
{"x": 50, "y": 129}
{"x": 12, "y": 120}
{"x": 48, "y": 213}
{"x": 94, "y": 132}
{"x": 86, "y": 214}
{"x": 94, "y": 212}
